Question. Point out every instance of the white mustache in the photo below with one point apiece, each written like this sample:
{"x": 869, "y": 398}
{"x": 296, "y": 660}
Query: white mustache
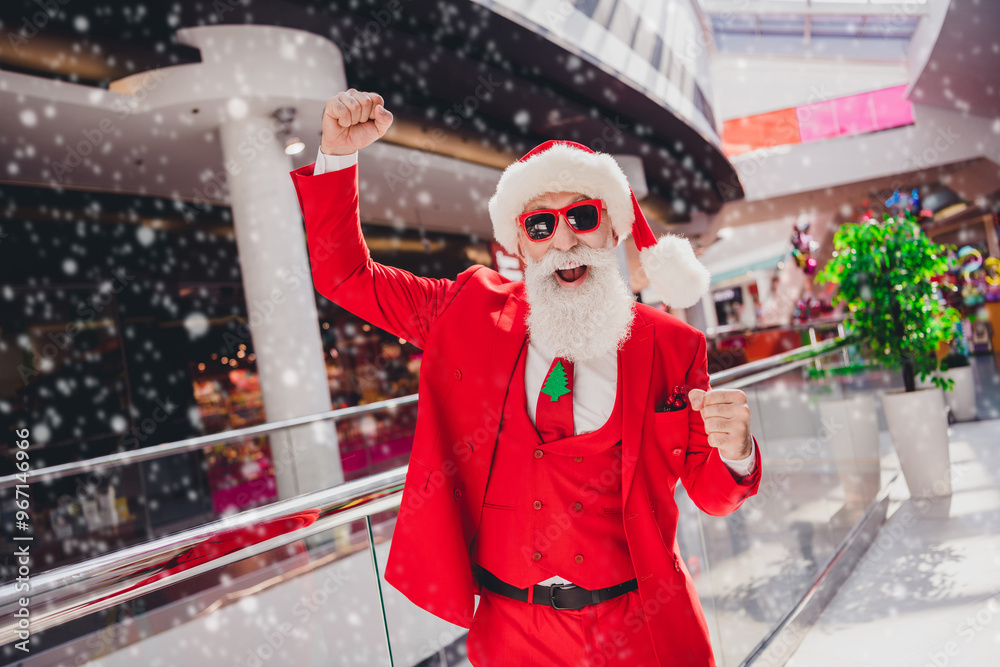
{"x": 581, "y": 255}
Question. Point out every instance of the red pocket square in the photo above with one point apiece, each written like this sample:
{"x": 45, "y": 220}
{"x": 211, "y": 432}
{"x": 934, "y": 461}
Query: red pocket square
{"x": 676, "y": 400}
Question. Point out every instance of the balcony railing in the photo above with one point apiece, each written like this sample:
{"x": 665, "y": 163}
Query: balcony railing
{"x": 849, "y": 492}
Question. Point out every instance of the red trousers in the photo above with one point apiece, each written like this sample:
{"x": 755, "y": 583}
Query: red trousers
{"x": 509, "y": 632}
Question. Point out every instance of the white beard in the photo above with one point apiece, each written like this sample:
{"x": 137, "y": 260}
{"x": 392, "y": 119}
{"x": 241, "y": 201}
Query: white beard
{"x": 583, "y": 322}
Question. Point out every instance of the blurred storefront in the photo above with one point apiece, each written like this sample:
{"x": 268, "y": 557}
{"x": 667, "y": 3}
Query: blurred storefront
{"x": 130, "y": 349}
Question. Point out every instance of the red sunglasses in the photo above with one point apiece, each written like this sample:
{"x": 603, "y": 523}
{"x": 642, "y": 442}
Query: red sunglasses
{"x": 583, "y": 216}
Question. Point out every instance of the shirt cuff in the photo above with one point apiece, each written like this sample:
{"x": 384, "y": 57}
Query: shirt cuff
{"x": 326, "y": 163}
{"x": 741, "y": 467}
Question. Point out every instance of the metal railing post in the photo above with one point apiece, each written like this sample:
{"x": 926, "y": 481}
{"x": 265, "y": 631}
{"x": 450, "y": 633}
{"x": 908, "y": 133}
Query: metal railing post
{"x": 378, "y": 586}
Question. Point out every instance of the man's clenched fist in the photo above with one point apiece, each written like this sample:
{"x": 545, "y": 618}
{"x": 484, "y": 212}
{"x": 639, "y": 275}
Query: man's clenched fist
{"x": 353, "y": 120}
{"x": 727, "y": 420}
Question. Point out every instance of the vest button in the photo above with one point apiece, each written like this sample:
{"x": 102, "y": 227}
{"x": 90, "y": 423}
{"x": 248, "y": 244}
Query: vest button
{"x": 577, "y": 506}
{"x": 458, "y": 374}
{"x": 537, "y": 504}
{"x": 577, "y": 458}
{"x": 678, "y": 451}
{"x": 538, "y": 453}
{"x": 458, "y": 493}
{"x": 579, "y": 558}
{"x": 536, "y": 556}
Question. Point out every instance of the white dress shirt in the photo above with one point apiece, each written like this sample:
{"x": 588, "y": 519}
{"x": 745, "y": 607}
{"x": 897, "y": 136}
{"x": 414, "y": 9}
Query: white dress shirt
{"x": 595, "y": 383}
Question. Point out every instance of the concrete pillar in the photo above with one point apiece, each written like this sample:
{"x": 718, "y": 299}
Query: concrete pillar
{"x": 246, "y": 73}
{"x": 749, "y": 315}
{"x": 708, "y": 309}
{"x": 780, "y": 307}
{"x": 764, "y": 278}
{"x": 281, "y": 305}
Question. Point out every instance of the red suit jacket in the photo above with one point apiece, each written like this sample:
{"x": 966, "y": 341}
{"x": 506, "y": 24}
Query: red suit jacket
{"x": 471, "y": 329}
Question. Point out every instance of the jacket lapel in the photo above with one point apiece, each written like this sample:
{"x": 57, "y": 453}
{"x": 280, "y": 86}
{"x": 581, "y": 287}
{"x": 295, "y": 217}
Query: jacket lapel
{"x": 636, "y": 357}
{"x": 509, "y": 336}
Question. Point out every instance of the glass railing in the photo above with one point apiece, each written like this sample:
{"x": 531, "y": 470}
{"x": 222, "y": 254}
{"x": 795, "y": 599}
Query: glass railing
{"x": 294, "y": 582}
{"x": 827, "y": 460}
{"x": 81, "y": 509}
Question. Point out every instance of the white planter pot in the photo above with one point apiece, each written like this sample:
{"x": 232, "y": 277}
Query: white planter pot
{"x": 962, "y": 398}
{"x": 918, "y": 425}
{"x": 850, "y": 426}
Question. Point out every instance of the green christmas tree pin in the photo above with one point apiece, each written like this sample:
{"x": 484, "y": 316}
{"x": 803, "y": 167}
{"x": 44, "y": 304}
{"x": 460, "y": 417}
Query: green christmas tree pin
{"x": 555, "y": 382}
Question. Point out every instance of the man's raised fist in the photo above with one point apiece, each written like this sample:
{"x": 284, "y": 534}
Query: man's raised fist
{"x": 727, "y": 420}
{"x": 353, "y": 120}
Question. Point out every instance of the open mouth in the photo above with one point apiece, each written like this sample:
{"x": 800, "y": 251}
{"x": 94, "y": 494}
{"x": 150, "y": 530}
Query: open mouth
{"x": 573, "y": 274}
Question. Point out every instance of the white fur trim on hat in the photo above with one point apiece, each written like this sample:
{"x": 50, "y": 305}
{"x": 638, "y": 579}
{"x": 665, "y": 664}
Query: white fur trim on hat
{"x": 674, "y": 272}
{"x": 560, "y": 168}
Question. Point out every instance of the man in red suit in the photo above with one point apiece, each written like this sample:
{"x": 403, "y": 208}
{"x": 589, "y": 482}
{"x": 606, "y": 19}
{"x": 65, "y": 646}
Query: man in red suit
{"x": 556, "y": 414}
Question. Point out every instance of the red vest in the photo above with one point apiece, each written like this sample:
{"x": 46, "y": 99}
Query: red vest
{"x": 554, "y": 508}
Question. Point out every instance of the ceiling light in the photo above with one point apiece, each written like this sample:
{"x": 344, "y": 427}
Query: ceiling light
{"x": 294, "y": 146}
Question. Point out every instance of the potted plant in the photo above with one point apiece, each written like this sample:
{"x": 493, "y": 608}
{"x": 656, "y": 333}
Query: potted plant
{"x": 961, "y": 399}
{"x": 850, "y": 426}
{"x": 885, "y": 271}
{"x": 849, "y": 423}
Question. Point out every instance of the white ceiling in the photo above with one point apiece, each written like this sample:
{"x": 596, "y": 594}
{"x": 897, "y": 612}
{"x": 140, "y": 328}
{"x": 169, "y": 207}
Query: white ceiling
{"x": 46, "y": 125}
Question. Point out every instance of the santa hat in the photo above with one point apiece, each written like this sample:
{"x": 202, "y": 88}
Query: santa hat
{"x": 566, "y": 166}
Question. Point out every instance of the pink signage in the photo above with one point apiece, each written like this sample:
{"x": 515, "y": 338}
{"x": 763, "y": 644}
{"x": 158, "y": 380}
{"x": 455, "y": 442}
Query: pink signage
{"x": 817, "y": 121}
{"x": 843, "y": 116}
{"x": 891, "y": 108}
{"x": 854, "y": 114}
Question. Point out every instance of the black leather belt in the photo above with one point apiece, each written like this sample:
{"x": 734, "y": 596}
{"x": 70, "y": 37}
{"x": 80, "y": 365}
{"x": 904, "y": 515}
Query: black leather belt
{"x": 557, "y": 596}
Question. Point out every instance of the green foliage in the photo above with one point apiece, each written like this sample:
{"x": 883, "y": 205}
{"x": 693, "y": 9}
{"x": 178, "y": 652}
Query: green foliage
{"x": 855, "y": 368}
{"x": 884, "y": 270}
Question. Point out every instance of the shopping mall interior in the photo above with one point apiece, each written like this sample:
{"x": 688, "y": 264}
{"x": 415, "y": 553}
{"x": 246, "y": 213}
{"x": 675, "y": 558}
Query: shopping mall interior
{"x": 207, "y": 455}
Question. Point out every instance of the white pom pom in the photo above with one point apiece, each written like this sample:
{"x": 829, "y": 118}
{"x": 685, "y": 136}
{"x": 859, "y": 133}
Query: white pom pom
{"x": 674, "y": 271}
